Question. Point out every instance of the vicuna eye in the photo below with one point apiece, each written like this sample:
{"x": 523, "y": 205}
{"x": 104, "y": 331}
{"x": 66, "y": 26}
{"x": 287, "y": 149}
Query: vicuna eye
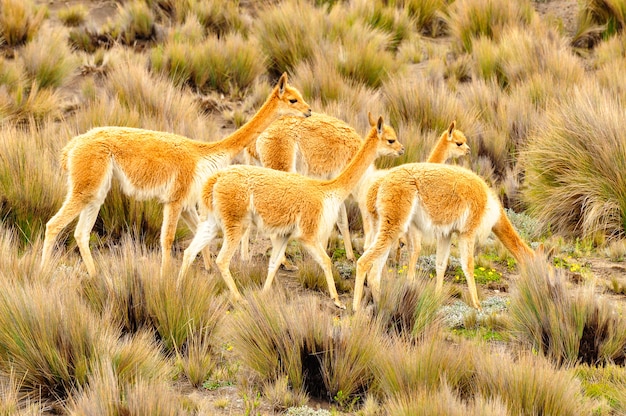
{"x": 391, "y": 141}
{"x": 459, "y": 144}
{"x": 293, "y": 100}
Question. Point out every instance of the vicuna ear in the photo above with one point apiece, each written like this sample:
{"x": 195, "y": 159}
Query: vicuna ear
{"x": 371, "y": 119}
{"x": 282, "y": 83}
{"x": 451, "y": 129}
{"x": 379, "y": 125}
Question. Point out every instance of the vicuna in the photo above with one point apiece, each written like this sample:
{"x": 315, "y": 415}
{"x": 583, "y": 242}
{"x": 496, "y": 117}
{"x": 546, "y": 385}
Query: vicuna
{"x": 151, "y": 164}
{"x": 451, "y": 144}
{"x": 284, "y": 206}
{"x": 438, "y": 200}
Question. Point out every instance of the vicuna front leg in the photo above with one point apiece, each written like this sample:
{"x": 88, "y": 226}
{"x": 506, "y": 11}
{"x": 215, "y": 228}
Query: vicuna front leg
{"x": 317, "y": 251}
{"x": 342, "y": 224}
{"x": 466, "y": 248}
{"x": 171, "y": 213}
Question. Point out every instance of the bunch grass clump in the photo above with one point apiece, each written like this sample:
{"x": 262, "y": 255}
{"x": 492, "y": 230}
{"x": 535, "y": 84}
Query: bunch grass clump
{"x": 318, "y": 355}
{"x": 136, "y": 22}
{"x": 289, "y": 34}
{"x": 410, "y": 309}
{"x": 73, "y": 16}
{"x": 229, "y": 64}
{"x": 48, "y": 60}
{"x": 20, "y": 21}
{"x": 30, "y": 187}
{"x": 568, "y": 330}
{"x": 51, "y": 354}
{"x": 530, "y": 385}
{"x": 470, "y": 19}
{"x": 574, "y": 164}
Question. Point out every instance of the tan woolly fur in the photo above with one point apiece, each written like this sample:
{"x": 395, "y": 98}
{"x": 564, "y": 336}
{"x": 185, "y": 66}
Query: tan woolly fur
{"x": 153, "y": 164}
{"x": 451, "y": 144}
{"x": 438, "y": 200}
{"x": 283, "y": 205}
{"x": 320, "y": 146}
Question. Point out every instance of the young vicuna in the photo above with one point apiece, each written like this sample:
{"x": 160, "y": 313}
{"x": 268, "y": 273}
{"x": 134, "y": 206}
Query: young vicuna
{"x": 319, "y": 146}
{"x": 284, "y": 205}
{"x": 451, "y": 144}
{"x": 438, "y": 200}
{"x": 151, "y": 164}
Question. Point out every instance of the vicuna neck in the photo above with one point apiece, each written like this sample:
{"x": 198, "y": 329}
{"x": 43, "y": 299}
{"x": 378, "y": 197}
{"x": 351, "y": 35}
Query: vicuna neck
{"x": 439, "y": 154}
{"x": 357, "y": 167}
{"x": 246, "y": 134}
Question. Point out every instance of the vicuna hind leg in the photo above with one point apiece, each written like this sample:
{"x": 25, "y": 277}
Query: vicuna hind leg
{"x": 205, "y": 233}
{"x": 443, "y": 252}
{"x": 318, "y": 253}
{"x": 414, "y": 239}
{"x": 192, "y": 219}
{"x": 232, "y": 238}
{"x": 370, "y": 265}
{"x": 466, "y": 248}
{"x": 279, "y": 245}
{"x": 66, "y": 214}
{"x": 344, "y": 229}
{"x": 83, "y": 229}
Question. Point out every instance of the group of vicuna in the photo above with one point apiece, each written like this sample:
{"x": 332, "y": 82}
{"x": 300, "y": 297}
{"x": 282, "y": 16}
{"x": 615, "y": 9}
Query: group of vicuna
{"x": 310, "y": 164}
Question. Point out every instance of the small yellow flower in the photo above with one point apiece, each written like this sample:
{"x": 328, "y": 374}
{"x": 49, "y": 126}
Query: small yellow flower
{"x": 400, "y": 271}
{"x": 490, "y": 273}
{"x": 457, "y": 277}
{"x": 482, "y": 269}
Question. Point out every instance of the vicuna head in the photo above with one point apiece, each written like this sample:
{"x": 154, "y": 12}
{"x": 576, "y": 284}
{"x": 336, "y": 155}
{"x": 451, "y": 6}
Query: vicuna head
{"x": 456, "y": 142}
{"x": 388, "y": 144}
{"x": 290, "y": 101}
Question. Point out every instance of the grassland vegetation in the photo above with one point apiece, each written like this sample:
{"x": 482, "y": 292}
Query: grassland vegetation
{"x": 542, "y": 106}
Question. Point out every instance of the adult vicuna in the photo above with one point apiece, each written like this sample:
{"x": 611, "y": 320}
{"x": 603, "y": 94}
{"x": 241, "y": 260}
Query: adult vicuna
{"x": 320, "y": 146}
{"x": 438, "y": 200}
{"x": 284, "y": 205}
{"x": 451, "y": 144}
{"x": 152, "y": 164}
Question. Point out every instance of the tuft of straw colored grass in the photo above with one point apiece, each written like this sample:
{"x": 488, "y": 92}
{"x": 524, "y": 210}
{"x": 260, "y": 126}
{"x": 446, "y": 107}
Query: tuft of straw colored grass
{"x": 530, "y": 385}
{"x": 179, "y": 314}
{"x": 573, "y": 166}
{"x": 402, "y": 369}
{"x": 107, "y": 395}
{"x": 471, "y": 19}
{"x": 289, "y": 34}
{"x": 73, "y": 16}
{"x": 443, "y": 401}
{"x": 136, "y": 22}
{"x": 20, "y": 21}
{"x": 220, "y": 17}
{"x": 50, "y": 353}
{"x": 410, "y": 309}
{"x": 48, "y": 60}
{"x": 29, "y": 179}
{"x": 431, "y": 106}
{"x": 567, "y": 329}
{"x": 281, "y": 397}
{"x": 324, "y": 357}
{"x": 607, "y": 15}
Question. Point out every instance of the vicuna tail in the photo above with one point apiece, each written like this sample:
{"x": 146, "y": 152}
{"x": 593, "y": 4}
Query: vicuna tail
{"x": 504, "y": 230}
